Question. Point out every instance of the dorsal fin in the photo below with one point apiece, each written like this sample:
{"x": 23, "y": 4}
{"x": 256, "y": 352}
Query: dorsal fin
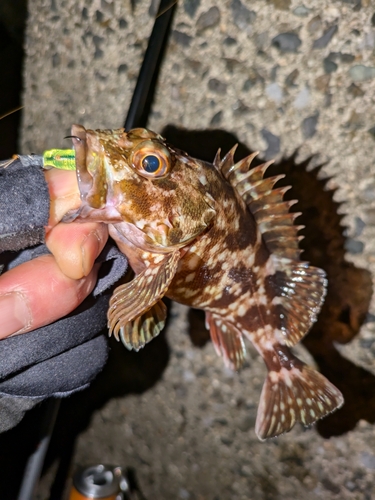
{"x": 217, "y": 159}
{"x": 299, "y": 289}
{"x": 228, "y": 161}
{"x": 266, "y": 204}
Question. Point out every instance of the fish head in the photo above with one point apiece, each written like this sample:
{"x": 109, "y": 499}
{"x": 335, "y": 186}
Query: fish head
{"x": 137, "y": 178}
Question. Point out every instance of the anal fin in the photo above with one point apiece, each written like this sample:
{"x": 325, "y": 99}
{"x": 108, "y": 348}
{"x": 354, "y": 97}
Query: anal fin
{"x": 227, "y": 340}
{"x": 299, "y": 394}
{"x": 137, "y": 333}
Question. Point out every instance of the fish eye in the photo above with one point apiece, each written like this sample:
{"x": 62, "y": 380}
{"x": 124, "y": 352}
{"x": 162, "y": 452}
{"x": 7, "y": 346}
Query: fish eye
{"x": 151, "y": 159}
{"x": 151, "y": 164}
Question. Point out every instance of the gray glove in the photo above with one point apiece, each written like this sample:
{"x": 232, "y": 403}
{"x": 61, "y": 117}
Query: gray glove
{"x": 64, "y": 357}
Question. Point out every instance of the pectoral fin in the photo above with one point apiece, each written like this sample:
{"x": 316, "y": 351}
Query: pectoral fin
{"x": 301, "y": 291}
{"x": 133, "y": 299}
{"x": 137, "y": 333}
{"x": 227, "y": 340}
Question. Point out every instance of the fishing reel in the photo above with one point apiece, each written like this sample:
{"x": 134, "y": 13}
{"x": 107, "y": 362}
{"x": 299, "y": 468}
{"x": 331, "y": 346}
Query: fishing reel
{"x": 104, "y": 482}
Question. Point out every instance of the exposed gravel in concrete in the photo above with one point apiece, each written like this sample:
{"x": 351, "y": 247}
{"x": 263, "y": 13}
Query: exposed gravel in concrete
{"x": 281, "y": 75}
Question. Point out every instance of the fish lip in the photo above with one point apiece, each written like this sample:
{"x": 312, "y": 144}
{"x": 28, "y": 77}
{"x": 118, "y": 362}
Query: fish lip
{"x": 88, "y": 151}
{"x": 79, "y": 141}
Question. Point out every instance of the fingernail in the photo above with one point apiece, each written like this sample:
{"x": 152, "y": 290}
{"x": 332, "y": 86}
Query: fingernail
{"x": 90, "y": 249}
{"x": 14, "y": 314}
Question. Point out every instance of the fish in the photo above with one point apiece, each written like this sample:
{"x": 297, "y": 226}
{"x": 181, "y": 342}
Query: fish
{"x": 217, "y": 237}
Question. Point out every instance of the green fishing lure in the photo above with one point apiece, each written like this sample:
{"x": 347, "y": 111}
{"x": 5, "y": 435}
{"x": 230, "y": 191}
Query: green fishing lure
{"x": 63, "y": 159}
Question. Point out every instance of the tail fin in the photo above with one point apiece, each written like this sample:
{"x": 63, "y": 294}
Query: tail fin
{"x": 299, "y": 394}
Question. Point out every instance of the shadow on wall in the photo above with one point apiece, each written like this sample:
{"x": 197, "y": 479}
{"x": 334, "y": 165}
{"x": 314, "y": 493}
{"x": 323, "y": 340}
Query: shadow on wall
{"x": 12, "y": 24}
{"x": 349, "y": 288}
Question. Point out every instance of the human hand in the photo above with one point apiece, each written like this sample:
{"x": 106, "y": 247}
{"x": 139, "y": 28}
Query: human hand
{"x": 49, "y": 287}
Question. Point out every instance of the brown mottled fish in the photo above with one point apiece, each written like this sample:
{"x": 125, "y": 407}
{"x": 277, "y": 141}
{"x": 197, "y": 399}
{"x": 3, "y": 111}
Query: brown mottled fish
{"x": 215, "y": 237}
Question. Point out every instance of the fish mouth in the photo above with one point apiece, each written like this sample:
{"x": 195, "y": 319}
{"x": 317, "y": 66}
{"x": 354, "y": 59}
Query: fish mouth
{"x": 90, "y": 168}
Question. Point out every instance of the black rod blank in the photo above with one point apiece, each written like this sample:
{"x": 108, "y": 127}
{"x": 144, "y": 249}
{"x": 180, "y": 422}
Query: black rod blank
{"x": 35, "y": 461}
{"x": 139, "y": 106}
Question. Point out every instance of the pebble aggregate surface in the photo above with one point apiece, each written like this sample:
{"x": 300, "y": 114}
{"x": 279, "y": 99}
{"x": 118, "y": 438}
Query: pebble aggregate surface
{"x": 281, "y": 75}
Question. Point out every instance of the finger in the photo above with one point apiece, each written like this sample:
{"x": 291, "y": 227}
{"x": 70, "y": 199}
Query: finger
{"x": 64, "y": 194}
{"x": 75, "y": 246}
{"x": 37, "y": 293}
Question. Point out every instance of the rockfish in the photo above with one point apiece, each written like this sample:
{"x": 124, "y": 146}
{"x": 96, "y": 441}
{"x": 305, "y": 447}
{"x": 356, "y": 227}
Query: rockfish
{"x": 217, "y": 237}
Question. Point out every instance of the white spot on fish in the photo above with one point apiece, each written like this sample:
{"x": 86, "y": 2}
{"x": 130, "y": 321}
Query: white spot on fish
{"x": 190, "y": 277}
{"x": 159, "y": 258}
{"x": 277, "y": 301}
{"x": 190, "y": 293}
{"x": 193, "y": 262}
{"x": 263, "y": 300}
{"x": 241, "y": 310}
{"x": 140, "y": 223}
{"x": 293, "y": 415}
{"x": 203, "y": 179}
{"x": 274, "y": 377}
{"x": 270, "y": 267}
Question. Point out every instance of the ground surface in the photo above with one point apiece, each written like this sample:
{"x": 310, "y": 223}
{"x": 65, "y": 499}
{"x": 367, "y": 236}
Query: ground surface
{"x": 281, "y": 76}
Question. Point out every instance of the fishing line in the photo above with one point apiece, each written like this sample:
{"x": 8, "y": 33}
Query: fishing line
{"x": 11, "y": 112}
